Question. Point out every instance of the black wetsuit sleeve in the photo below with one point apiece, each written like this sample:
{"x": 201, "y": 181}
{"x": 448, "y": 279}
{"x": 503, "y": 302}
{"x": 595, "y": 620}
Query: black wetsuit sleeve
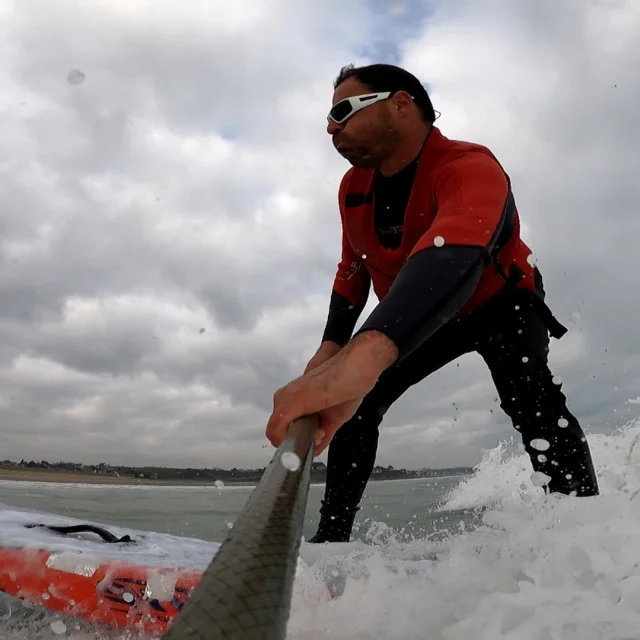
{"x": 343, "y": 315}
{"x": 428, "y": 291}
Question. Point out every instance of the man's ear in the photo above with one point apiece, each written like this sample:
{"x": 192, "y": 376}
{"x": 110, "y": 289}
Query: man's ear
{"x": 401, "y": 103}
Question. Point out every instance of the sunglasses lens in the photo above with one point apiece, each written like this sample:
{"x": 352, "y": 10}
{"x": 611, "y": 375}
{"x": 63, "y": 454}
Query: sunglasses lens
{"x": 340, "y": 110}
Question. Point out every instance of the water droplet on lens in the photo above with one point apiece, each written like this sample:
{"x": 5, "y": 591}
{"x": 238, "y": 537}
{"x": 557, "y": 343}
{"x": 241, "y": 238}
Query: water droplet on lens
{"x": 58, "y": 627}
{"x": 75, "y": 76}
{"x": 540, "y": 444}
{"x": 290, "y": 461}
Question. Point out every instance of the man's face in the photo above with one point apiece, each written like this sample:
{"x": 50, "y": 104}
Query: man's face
{"x": 367, "y": 137}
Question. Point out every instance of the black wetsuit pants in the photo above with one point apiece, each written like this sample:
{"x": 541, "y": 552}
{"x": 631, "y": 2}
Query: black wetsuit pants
{"x": 510, "y": 335}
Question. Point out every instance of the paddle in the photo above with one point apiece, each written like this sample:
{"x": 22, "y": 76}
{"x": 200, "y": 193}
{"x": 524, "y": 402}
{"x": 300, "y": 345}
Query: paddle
{"x": 245, "y": 593}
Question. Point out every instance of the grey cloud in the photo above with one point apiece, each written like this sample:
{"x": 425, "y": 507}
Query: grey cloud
{"x": 105, "y": 248}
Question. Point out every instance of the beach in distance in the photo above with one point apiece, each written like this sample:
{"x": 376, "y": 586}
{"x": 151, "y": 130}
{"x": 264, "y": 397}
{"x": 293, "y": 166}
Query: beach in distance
{"x": 192, "y": 477}
{"x": 80, "y": 477}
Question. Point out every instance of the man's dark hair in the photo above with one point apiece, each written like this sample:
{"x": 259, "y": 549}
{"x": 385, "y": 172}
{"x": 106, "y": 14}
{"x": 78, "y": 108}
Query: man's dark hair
{"x": 387, "y": 77}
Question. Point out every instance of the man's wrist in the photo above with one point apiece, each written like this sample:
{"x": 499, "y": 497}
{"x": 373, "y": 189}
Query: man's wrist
{"x": 374, "y": 346}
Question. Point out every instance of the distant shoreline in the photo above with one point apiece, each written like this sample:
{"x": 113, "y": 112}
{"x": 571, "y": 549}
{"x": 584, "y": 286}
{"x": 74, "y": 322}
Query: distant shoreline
{"x": 78, "y": 477}
{"x": 58, "y": 476}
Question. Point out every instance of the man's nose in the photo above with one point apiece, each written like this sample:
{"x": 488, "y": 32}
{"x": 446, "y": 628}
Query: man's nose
{"x": 333, "y": 127}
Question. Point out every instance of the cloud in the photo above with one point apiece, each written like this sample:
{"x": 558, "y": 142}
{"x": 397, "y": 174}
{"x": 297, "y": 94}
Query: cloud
{"x": 169, "y": 230}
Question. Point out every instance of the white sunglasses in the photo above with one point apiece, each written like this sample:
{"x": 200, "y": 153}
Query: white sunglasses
{"x": 344, "y": 109}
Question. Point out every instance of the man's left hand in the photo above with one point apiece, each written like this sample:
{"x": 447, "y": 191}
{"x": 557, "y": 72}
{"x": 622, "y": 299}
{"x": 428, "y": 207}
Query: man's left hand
{"x": 333, "y": 390}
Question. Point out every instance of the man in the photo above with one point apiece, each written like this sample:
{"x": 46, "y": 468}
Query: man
{"x": 431, "y": 225}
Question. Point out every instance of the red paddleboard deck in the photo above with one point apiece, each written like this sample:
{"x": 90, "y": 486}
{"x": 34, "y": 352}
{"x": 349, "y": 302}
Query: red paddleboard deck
{"x": 125, "y": 578}
{"x": 107, "y": 592}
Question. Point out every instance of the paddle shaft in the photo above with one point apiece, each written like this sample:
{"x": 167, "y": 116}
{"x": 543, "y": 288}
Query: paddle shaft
{"x": 245, "y": 593}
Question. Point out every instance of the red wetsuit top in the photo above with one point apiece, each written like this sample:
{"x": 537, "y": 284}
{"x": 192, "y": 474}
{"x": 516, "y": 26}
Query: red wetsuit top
{"x": 435, "y": 241}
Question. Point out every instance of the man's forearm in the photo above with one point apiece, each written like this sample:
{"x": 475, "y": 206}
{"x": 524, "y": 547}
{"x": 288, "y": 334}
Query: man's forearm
{"x": 429, "y": 290}
{"x": 354, "y": 370}
{"x": 373, "y": 352}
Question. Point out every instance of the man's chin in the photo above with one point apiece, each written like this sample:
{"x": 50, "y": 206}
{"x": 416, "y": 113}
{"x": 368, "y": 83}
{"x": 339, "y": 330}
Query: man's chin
{"x": 360, "y": 161}
{"x": 364, "y": 163}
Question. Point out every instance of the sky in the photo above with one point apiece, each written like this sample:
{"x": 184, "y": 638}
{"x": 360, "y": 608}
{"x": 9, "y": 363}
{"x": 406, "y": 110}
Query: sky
{"x": 169, "y": 229}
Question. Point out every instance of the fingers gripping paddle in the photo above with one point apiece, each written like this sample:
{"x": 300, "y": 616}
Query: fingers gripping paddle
{"x": 245, "y": 593}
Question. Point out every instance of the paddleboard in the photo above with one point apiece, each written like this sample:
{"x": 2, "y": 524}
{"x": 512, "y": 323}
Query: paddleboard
{"x": 112, "y": 575}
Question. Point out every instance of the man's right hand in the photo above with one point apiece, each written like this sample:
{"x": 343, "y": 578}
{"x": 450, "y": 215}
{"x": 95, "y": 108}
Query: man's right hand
{"x": 326, "y": 351}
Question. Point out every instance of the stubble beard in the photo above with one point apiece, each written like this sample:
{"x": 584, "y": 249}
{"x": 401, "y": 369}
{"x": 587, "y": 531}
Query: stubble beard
{"x": 371, "y": 155}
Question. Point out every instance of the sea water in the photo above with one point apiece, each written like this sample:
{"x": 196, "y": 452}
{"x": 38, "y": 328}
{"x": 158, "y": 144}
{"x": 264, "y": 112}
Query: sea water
{"x": 492, "y": 558}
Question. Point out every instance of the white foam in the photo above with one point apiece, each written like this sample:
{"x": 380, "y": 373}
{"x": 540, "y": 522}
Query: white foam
{"x": 73, "y": 563}
{"x": 537, "y": 568}
{"x": 161, "y": 584}
{"x": 82, "y": 551}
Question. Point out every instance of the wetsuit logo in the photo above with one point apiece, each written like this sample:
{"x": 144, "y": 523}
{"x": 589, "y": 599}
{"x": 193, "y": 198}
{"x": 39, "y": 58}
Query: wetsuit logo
{"x": 354, "y": 267}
